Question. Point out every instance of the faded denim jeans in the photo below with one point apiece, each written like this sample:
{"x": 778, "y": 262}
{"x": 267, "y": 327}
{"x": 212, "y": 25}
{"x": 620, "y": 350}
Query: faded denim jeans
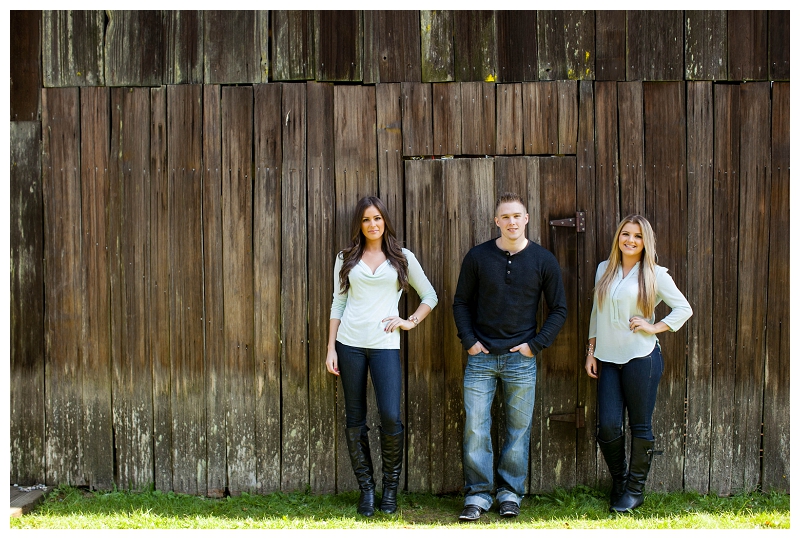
{"x": 517, "y": 373}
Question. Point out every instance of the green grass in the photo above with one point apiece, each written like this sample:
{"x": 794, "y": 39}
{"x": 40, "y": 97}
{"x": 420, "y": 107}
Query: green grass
{"x": 579, "y": 508}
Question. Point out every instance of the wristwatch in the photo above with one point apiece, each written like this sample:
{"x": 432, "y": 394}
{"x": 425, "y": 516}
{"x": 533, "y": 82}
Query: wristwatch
{"x": 413, "y": 318}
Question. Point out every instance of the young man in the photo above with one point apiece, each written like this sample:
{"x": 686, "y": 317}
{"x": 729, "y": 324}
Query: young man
{"x": 495, "y": 306}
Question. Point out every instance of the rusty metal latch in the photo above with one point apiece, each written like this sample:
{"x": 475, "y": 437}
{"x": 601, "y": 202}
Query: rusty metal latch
{"x": 578, "y": 418}
{"x": 579, "y": 221}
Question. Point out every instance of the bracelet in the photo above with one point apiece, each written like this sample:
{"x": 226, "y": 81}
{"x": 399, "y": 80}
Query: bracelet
{"x": 413, "y": 318}
{"x": 590, "y": 350}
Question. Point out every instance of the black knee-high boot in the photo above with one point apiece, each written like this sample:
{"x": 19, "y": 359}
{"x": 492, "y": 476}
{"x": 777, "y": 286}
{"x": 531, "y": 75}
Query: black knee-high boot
{"x": 392, "y": 456}
{"x": 641, "y": 457}
{"x": 614, "y": 455}
{"x": 358, "y": 447}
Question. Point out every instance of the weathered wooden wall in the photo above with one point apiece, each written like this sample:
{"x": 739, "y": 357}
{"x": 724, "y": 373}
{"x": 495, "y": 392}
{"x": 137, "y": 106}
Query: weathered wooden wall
{"x": 175, "y": 216}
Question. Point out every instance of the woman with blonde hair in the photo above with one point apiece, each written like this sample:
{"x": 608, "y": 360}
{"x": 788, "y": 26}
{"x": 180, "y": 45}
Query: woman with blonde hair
{"x": 624, "y": 355}
{"x": 370, "y": 276}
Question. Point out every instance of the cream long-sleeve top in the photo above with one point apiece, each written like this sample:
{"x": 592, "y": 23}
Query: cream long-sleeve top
{"x": 610, "y": 325}
{"x": 373, "y": 297}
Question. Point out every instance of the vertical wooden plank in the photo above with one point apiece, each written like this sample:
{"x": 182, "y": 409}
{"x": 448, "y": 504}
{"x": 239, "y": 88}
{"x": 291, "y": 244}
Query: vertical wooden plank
{"x": 233, "y": 41}
{"x": 267, "y": 211}
{"x": 666, "y": 209}
{"x": 747, "y": 45}
{"x": 630, "y": 110}
{"x": 321, "y": 252}
{"x": 706, "y": 47}
{"x": 447, "y": 119}
{"x": 98, "y": 442}
{"x": 293, "y": 55}
{"x": 129, "y": 211}
{"x": 393, "y": 54}
{"x": 540, "y": 118}
{"x": 586, "y": 451}
{"x": 516, "y": 46}
{"x": 237, "y": 278}
{"x": 338, "y": 43}
{"x": 417, "y": 118}
{"x": 72, "y": 48}
{"x": 775, "y": 470}
{"x": 437, "y": 47}
{"x": 655, "y": 45}
{"x": 183, "y": 47}
{"x": 725, "y": 282}
{"x": 185, "y": 143}
{"x": 478, "y": 118}
{"x": 607, "y": 167}
{"x": 62, "y": 285}
{"x": 567, "y": 103}
{"x": 294, "y": 292}
{"x": 700, "y": 242}
{"x": 475, "y": 46}
{"x": 27, "y": 335}
{"x": 25, "y": 70}
{"x": 754, "y": 222}
{"x": 509, "y": 119}
{"x": 779, "y": 38}
{"x": 579, "y": 44}
{"x": 164, "y": 332}
{"x": 213, "y": 314}
{"x": 610, "y": 32}
{"x": 558, "y": 365}
{"x": 391, "y": 185}
{"x": 127, "y": 62}
{"x": 550, "y": 45}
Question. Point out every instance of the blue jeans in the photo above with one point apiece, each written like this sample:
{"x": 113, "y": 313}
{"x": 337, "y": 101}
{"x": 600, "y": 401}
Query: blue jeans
{"x": 387, "y": 379}
{"x": 517, "y": 373}
{"x": 632, "y": 385}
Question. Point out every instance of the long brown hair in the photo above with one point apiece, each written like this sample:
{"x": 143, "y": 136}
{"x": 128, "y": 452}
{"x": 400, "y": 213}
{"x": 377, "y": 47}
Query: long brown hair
{"x": 389, "y": 245}
{"x": 646, "y": 301}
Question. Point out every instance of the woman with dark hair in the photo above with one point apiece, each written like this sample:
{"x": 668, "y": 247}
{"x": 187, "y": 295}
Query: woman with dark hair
{"x": 624, "y": 355}
{"x": 369, "y": 278}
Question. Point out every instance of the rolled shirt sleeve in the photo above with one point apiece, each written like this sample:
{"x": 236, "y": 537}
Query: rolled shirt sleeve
{"x": 419, "y": 281}
{"x": 668, "y": 292}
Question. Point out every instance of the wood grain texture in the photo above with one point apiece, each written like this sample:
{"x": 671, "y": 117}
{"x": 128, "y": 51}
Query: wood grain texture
{"x": 517, "y": 52}
{"x": 321, "y": 250}
{"x": 213, "y": 299}
{"x": 25, "y": 48}
{"x": 391, "y": 178}
{"x": 436, "y": 46}
{"x": 447, "y": 119}
{"x": 27, "y": 329}
{"x": 706, "y": 45}
{"x": 237, "y": 281}
{"x": 293, "y": 54}
{"x": 540, "y": 118}
{"x": 132, "y": 370}
{"x": 127, "y": 62}
{"x": 775, "y": 471}
{"x": 475, "y": 46}
{"x": 294, "y": 292}
{"x": 655, "y": 45}
{"x": 550, "y": 45}
{"x": 62, "y": 285}
{"x": 666, "y": 209}
{"x": 607, "y": 166}
{"x": 188, "y": 369}
{"x": 392, "y": 46}
{"x": 509, "y": 119}
{"x": 748, "y": 55}
{"x": 72, "y": 48}
{"x": 700, "y": 243}
{"x": 779, "y": 38}
{"x": 267, "y": 240}
{"x": 725, "y": 284}
{"x": 233, "y": 43}
{"x": 630, "y": 111}
{"x": 566, "y": 45}
{"x": 611, "y": 49}
{"x": 417, "y": 102}
{"x": 567, "y": 103}
{"x": 183, "y": 47}
{"x": 478, "y": 118}
{"x": 338, "y": 44}
{"x": 754, "y": 221}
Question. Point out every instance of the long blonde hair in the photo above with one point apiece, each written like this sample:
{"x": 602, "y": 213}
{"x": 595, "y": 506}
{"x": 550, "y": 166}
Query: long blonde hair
{"x": 647, "y": 267}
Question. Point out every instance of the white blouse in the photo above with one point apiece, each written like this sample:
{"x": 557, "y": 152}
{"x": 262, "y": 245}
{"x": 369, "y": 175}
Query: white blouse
{"x": 373, "y": 297}
{"x": 610, "y": 325}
